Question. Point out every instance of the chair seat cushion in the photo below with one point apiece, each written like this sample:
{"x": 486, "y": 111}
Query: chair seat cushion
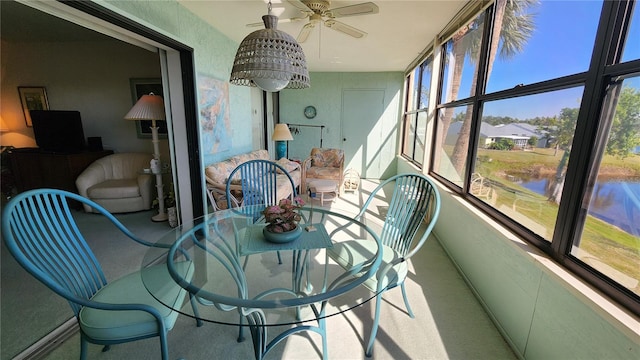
{"x": 108, "y": 325}
{"x": 323, "y": 173}
{"x": 114, "y": 189}
{"x": 354, "y": 252}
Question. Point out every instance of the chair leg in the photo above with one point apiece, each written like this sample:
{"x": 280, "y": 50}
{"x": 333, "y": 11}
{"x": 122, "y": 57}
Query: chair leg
{"x": 406, "y": 301}
{"x": 106, "y": 348}
{"x": 241, "y": 330}
{"x": 164, "y": 348}
{"x": 374, "y": 328}
{"x": 195, "y": 310}
{"x": 279, "y": 257}
{"x": 323, "y": 327}
{"x": 83, "y": 347}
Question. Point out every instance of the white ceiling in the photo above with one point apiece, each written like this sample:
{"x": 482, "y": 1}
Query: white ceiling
{"x": 397, "y": 35}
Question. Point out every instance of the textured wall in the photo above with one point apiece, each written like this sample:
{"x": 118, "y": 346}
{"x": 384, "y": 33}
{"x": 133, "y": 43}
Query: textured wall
{"x": 541, "y": 309}
{"x": 213, "y": 56}
{"x": 74, "y": 76}
{"x": 326, "y": 95}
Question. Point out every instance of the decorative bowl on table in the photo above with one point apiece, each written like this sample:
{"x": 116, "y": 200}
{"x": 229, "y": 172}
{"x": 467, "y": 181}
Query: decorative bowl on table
{"x": 281, "y": 237}
{"x": 282, "y": 221}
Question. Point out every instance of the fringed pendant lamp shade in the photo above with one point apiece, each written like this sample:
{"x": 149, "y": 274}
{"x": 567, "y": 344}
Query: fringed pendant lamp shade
{"x": 270, "y": 59}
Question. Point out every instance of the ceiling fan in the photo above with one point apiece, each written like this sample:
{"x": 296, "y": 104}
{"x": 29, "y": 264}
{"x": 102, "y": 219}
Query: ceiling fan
{"x": 319, "y": 11}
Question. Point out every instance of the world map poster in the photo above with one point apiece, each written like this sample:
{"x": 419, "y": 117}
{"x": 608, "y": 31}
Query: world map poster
{"x": 213, "y": 102}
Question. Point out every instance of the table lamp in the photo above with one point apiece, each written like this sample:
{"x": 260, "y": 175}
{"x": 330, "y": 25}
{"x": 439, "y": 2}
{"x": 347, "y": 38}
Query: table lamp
{"x": 151, "y": 107}
{"x": 281, "y": 135}
{"x": 3, "y": 125}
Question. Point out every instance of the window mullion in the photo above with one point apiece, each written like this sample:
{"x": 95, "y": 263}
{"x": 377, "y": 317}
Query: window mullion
{"x": 585, "y": 136}
{"x": 482, "y": 69}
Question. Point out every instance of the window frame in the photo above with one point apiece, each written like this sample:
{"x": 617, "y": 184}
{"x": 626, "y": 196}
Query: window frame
{"x": 613, "y": 24}
{"x": 411, "y": 116}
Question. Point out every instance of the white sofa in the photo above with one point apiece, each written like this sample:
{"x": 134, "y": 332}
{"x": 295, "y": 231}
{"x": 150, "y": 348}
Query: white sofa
{"x": 217, "y": 174}
{"x": 118, "y": 183}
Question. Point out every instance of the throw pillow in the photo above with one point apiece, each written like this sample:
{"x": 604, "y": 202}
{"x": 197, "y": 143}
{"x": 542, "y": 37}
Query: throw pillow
{"x": 287, "y": 165}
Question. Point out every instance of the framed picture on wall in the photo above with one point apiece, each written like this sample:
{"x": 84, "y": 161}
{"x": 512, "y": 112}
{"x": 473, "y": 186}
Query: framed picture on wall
{"x": 32, "y": 98}
{"x": 145, "y": 86}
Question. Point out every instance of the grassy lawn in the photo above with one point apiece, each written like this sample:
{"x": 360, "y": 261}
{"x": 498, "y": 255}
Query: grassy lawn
{"x": 542, "y": 162}
{"x": 608, "y": 243}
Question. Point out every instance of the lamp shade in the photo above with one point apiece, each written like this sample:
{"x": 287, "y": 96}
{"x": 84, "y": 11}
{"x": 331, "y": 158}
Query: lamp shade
{"x": 282, "y": 133}
{"x": 270, "y": 59}
{"x": 3, "y": 125}
{"x": 148, "y": 107}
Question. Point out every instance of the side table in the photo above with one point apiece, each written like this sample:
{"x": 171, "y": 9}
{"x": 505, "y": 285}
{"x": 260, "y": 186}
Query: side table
{"x": 327, "y": 189}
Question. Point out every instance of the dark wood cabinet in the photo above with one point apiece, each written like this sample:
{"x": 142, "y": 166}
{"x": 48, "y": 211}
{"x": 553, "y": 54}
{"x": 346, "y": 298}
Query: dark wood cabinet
{"x": 33, "y": 169}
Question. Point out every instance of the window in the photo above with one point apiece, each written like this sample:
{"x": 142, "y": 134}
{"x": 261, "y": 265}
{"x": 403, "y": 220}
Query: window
{"x": 453, "y": 143}
{"x": 545, "y": 44}
{"x": 631, "y": 49}
{"x": 461, "y": 54}
{"x": 538, "y": 124}
{"x": 415, "y": 116}
{"x": 610, "y": 237}
{"x": 523, "y": 160}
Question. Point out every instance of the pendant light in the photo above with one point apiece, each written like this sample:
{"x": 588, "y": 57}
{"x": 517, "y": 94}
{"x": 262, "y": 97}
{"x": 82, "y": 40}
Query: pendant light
{"x": 270, "y": 59}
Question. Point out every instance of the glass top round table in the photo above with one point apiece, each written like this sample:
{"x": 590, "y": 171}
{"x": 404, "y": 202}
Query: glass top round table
{"x": 235, "y": 277}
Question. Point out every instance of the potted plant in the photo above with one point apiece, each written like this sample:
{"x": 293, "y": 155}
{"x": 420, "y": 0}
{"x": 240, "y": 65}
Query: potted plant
{"x": 170, "y": 204}
{"x": 282, "y": 220}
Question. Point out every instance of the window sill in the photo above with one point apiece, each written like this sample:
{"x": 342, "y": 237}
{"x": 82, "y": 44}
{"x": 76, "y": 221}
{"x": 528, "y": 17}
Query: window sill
{"x": 616, "y": 315}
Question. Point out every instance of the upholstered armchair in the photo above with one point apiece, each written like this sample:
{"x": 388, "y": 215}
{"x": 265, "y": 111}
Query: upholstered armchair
{"x": 117, "y": 183}
{"x": 323, "y": 164}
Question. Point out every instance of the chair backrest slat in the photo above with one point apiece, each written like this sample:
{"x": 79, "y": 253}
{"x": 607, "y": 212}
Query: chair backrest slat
{"x": 71, "y": 261}
{"x": 41, "y": 233}
{"x": 411, "y": 202}
{"x": 259, "y": 182}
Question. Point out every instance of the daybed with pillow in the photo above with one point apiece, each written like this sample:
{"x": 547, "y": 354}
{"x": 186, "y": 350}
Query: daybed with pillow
{"x": 217, "y": 174}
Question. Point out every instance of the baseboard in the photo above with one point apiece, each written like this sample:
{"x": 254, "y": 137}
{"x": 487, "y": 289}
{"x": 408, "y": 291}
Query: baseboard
{"x": 41, "y": 348}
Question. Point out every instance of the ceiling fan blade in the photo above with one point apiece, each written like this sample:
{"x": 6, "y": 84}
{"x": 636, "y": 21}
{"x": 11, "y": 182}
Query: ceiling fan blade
{"x": 344, "y": 28}
{"x": 256, "y": 24}
{"x": 280, "y": 21}
{"x": 366, "y": 8}
{"x": 304, "y": 33}
{"x": 300, "y": 5}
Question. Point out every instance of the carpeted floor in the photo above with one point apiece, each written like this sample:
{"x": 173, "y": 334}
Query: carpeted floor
{"x": 449, "y": 322}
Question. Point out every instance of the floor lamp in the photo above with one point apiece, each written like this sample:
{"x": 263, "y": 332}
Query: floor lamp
{"x": 151, "y": 107}
{"x": 281, "y": 135}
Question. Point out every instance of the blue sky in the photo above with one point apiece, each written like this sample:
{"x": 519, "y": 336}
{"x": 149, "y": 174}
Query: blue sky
{"x": 560, "y": 45}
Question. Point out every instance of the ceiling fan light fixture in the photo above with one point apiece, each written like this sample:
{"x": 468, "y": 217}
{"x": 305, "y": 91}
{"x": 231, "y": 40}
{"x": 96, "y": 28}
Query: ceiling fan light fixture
{"x": 270, "y": 59}
{"x": 319, "y": 12}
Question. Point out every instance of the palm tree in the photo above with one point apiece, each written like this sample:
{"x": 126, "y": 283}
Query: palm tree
{"x": 511, "y": 30}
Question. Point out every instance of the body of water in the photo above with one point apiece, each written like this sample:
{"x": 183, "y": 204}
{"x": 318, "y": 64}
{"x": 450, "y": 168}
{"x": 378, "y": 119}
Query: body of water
{"x": 616, "y": 202}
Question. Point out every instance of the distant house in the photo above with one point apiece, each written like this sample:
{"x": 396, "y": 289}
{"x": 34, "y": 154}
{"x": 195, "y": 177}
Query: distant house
{"x": 519, "y": 133}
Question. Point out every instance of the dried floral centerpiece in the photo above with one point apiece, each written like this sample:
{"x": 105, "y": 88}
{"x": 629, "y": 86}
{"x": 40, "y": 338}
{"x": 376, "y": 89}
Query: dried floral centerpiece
{"x": 284, "y": 216}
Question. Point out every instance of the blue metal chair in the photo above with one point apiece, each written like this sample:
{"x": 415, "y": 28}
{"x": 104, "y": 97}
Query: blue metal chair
{"x": 259, "y": 182}
{"x": 40, "y": 232}
{"x": 414, "y": 199}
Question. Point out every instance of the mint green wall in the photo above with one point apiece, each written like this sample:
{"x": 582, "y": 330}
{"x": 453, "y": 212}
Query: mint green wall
{"x": 213, "y": 53}
{"x": 537, "y": 311}
{"x": 541, "y": 316}
{"x": 325, "y": 94}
